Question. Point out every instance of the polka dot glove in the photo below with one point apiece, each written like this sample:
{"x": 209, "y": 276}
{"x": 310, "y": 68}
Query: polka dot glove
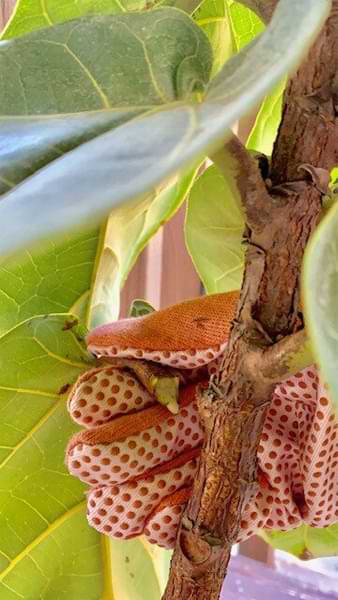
{"x": 139, "y": 459}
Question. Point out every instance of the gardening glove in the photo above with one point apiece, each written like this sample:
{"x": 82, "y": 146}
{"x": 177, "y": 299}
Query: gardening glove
{"x": 140, "y": 460}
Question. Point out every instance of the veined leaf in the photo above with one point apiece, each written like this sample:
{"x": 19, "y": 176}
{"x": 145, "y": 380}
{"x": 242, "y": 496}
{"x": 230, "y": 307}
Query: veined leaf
{"x": 131, "y": 159}
{"x": 213, "y": 17}
{"x": 47, "y": 550}
{"x": 213, "y": 230}
{"x": 44, "y": 538}
{"x": 305, "y": 542}
{"x": 245, "y": 24}
{"x": 30, "y": 15}
{"x": 56, "y": 276}
{"x": 265, "y": 130}
{"x": 83, "y": 273}
{"x": 320, "y": 292}
{"x": 123, "y": 237}
{"x": 61, "y": 276}
{"x": 53, "y": 278}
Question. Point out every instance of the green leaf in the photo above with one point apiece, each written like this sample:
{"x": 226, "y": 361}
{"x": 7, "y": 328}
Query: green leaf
{"x": 52, "y": 278}
{"x": 305, "y": 542}
{"x": 30, "y": 15}
{"x": 47, "y": 550}
{"x": 214, "y": 229}
{"x": 213, "y": 18}
{"x": 245, "y": 24}
{"x": 123, "y": 237}
{"x": 44, "y": 538}
{"x": 134, "y": 157}
{"x": 320, "y": 292}
{"x": 139, "y": 569}
{"x": 61, "y": 276}
{"x": 140, "y": 308}
{"x": 265, "y": 130}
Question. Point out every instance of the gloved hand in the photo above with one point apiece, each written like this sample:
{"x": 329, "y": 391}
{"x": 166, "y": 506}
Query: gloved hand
{"x": 139, "y": 460}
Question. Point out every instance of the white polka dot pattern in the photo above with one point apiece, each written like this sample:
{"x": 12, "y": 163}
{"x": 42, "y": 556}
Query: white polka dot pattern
{"x": 124, "y": 459}
{"x": 187, "y": 359}
{"x": 298, "y": 459}
{"x": 162, "y": 527}
{"x": 103, "y": 393}
{"x": 122, "y": 511}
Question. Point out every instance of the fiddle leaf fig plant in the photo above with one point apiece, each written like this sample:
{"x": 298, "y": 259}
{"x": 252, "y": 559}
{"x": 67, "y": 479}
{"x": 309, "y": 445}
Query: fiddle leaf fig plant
{"x": 110, "y": 113}
{"x": 99, "y": 106}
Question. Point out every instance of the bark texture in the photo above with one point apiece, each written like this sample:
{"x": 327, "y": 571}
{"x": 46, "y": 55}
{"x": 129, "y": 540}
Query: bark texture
{"x": 279, "y": 222}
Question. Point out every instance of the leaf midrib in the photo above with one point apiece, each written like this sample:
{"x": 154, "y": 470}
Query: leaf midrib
{"x": 40, "y": 538}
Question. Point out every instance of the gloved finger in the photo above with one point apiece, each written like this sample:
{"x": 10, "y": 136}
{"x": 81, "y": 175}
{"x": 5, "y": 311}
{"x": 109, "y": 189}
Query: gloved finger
{"x": 130, "y": 445}
{"x": 186, "y": 335}
{"x": 104, "y": 393}
{"x": 162, "y": 525}
{"x": 123, "y": 511}
{"x": 298, "y": 456}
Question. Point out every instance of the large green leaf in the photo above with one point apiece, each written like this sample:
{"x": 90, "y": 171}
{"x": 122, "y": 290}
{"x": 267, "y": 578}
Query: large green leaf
{"x": 213, "y": 229}
{"x": 265, "y": 130}
{"x": 59, "y": 261}
{"x": 60, "y": 276}
{"x": 305, "y": 542}
{"x": 30, "y": 15}
{"x": 139, "y": 571}
{"x": 56, "y": 276}
{"x": 320, "y": 293}
{"x": 47, "y": 550}
{"x": 83, "y": 273}
{"x": 133, "y": 157}
{"x": 245, "y": 24}
{"x": 123, "y": 238}
{"x": 44, "y": 538}
{"x": 213, "y": 17}
{"x": 52, "y": 278}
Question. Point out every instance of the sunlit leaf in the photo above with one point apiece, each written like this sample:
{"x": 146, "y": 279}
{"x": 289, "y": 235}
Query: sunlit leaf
{"x": 64, "y": 276}
{"x": 320, "y": 293}
{"x": 265, "y": 130}
{"x": 57, "y": 277}
{"x": 139, "y": 569}
{"x": 305, "y": 542}
{"x": 53, "y": 278}
{"x": 44, "y": 536}
{"x": 131, "y": 159}
{"x": 213, "y": 17}
{"x": 30, "y": 15}
{"x": 214, "y": 229}
{"x": 123, "y": 238}
{"x": 245, "y": 24}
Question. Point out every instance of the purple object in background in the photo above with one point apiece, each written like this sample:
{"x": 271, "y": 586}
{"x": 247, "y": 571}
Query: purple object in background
{"x": 250, "y": 580}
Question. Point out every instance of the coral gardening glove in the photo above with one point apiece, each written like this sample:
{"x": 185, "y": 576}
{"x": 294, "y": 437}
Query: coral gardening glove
{"x": 139, "y": 460}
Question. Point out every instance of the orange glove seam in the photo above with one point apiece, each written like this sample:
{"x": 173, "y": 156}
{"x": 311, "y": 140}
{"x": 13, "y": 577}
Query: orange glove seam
{"x": 176, "y": 499}
{"x": 131, "y": 423}
{"x": 174, "y": 463}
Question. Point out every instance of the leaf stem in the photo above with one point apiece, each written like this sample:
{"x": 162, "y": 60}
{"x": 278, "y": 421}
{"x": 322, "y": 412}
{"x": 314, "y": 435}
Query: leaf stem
{"x": 283, "y": 359}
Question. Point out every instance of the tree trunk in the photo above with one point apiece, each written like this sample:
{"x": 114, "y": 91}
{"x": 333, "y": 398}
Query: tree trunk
{"x": 280, "y": 220}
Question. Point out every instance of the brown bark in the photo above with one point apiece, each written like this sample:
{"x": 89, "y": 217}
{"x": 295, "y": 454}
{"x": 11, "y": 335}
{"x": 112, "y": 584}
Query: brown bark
{"x": 279, "y": 223}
